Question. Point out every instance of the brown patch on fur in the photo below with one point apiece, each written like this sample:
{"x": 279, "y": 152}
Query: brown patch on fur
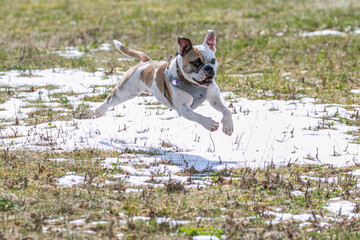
{"x": 192, "y": 55}
{"x": 162, "y": 83}
{"x": 147, "y": 75}
{"x": 134, "y": 54}
{"x": 128, "y": 74}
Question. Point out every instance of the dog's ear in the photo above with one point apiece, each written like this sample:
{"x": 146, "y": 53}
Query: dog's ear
{"x": 210, "y": 40}
{"x": 184, "y": 45}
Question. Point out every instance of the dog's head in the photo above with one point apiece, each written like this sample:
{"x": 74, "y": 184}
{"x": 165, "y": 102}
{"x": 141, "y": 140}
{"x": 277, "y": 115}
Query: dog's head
{"x": 198, "y": 63}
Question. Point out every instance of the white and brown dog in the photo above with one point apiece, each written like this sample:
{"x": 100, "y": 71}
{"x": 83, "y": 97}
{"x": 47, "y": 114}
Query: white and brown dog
{"x": 182, "y": 83}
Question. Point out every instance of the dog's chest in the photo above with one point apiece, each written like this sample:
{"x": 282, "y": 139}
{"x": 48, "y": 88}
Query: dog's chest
{"x": 198, "y": 93}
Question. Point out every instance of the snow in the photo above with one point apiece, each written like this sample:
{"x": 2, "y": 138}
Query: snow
{"x": 297, "y": 193}
{"x": 205, "y": 237}
{"x": 356, "y": 172}
{"x": 74, "y": 52}
{"x": 343, "y": 208}
{"x": 266, "y": 131}
{"x": 70, "y": 52}
{"x": 279, "y": 217}
{"x": 70, "y": 180}
{"x": 99, "y": 222}
{"x": 78, "y": 221}
{"x": 322, "y": 33}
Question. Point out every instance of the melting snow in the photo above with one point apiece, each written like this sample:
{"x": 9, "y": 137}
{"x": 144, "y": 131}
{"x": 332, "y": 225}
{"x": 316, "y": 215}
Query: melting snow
{"x": 205, "y": 237}
{"x": 343, "y": 208}
{"x": 266, "y": 131}
{"x": 297, "y": 193}
{"x": 70, "y": 180}
{"x": 73, "y": 52}
{"x": 322, "y": 33}
{"x": 77, "y": 221}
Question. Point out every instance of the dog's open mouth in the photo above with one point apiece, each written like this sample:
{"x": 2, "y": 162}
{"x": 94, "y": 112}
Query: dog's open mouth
{"x": 206, "y": 82}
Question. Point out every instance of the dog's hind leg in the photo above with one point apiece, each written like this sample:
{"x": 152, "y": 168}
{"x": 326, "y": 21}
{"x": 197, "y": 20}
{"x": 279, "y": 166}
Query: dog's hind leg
{"x": 123, "y": 92}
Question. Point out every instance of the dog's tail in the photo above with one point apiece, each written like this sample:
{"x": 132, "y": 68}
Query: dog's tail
{"x": 131, "y": 52}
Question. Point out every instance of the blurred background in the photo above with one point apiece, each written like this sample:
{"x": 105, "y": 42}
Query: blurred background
{"x": 300, "y": 48}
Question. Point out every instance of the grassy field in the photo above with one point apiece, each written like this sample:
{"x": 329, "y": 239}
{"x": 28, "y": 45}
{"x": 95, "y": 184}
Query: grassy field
{"x": 237, "y": 203}
{"x": 325, "y": 67}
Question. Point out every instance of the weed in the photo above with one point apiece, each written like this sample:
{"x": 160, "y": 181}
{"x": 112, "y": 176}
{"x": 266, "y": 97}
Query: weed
{"x": 6, "y": 205}
{"x": 83, "y": 111}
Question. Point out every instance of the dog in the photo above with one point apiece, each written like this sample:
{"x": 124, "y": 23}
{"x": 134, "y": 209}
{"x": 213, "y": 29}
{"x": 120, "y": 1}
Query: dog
{"x": 181, "y": 83}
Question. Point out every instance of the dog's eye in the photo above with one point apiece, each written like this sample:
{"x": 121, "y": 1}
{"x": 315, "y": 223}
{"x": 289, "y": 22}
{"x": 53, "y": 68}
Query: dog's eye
{"x": 197, "y": 63}
{"x": 213, "y": 61}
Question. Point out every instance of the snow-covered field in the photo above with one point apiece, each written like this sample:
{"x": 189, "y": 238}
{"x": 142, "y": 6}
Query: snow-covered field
{"x": 266, "y": 131}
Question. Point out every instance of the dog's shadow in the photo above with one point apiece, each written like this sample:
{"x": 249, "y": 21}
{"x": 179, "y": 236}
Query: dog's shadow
{"x": 183, "y": 159}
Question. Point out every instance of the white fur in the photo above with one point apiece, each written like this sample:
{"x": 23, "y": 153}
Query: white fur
{"x": 118, "y": 44}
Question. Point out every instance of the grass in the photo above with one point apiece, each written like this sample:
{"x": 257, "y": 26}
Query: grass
{"x": 247, "y": 41}
{"x": 235, "y": 204}
{"x": 254, "y": 62}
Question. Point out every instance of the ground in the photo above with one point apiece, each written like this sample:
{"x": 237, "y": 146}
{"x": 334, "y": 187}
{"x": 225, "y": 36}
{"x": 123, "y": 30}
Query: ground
{"x": 289, "y": 72}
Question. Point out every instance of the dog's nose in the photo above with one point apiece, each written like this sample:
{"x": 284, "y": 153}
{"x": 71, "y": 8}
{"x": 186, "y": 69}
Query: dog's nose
{"x": 209, "y": 70}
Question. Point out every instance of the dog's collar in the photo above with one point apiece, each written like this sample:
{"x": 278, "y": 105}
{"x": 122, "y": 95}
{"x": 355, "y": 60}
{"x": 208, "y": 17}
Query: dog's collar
{"x": 180, "y": 76}
{"x": 197, "y": 92}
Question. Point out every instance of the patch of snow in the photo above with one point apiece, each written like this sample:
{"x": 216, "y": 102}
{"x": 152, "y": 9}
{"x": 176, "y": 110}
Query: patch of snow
{"x": 128, "y": 190}
{"x": 61, "y": 219}
{"x": 329, "y": 180}
{"x": 343, "y": 208}
{"x": 58, "y": 159}
{"x": 70, "y": 180}
{"x": 279, "y": 217}
{"x": 126, "y": 59}
{"x": 324, "y": 224}
{"x": 120, "y": 235}
{"x": 171, "y": 221}
{"x": 70, "y": 52}
{"x": 246, "y": 75}
{"x": 89, "y": 232}
{"x": 356, "y": 91}
{"x": 205, "y": 237}
{"x": 297, "y": 193}
{"x": 322, "y": 33}
{"x": 104, "y": 47}
{"x": 99, "y": 222}
{"x": 77, "y": 221}
{"x": 286, "y": 74}
{"x": 334, "y": 199}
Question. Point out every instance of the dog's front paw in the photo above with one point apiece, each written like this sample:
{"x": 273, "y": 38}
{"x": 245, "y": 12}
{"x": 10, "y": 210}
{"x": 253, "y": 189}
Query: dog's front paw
{"x": 210, "y": 124}
{"x": 228, "y": 126}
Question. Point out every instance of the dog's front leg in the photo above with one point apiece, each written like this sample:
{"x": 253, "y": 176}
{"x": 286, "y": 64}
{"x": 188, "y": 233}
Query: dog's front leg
{"x": 206, "y": 122}
{"x": 217, "y": 102}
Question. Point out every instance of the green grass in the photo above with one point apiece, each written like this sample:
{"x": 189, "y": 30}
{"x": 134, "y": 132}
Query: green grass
{"x": 246, "y": 40}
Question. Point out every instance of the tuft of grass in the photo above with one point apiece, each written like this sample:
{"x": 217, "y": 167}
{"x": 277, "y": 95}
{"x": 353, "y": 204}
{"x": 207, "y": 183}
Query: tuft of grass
{"x": 6, "y": 205}
{"x": 83, "y": 111}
